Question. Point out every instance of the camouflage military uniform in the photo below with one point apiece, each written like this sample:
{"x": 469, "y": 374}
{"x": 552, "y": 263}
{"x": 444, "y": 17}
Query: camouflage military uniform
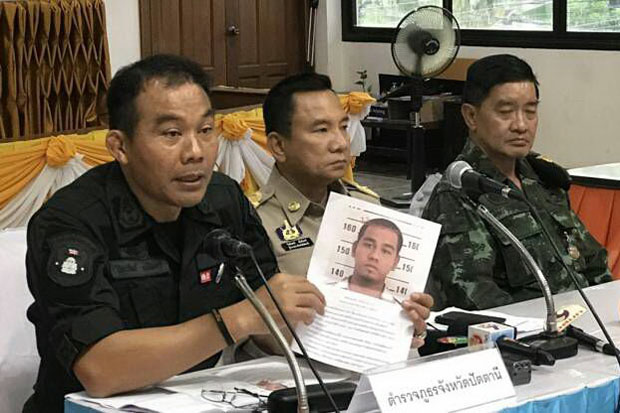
{"x": 475, "y": 267}
{"x": 292, "y": 221}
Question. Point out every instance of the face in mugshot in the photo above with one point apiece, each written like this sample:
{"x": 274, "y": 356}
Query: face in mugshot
{"x": 375, "y": 254}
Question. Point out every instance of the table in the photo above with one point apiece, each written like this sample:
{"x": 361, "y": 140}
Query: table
{"x": 595, "y": 197}
{"x": 586, "y": 382}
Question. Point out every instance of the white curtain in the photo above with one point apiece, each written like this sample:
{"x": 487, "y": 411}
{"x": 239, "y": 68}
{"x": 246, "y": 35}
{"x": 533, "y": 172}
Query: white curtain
{"x": 19, "y": 359}
{"x": 357, "y": 132}
{"x": 235, "y": 155}
{"x": 22, "y": 206}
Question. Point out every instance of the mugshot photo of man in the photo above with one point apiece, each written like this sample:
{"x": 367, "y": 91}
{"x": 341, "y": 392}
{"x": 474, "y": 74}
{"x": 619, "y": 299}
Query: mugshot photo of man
{"x": 376, "y": 254}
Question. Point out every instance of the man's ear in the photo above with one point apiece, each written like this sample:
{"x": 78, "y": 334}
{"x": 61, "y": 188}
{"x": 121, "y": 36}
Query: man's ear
{"x": 353, "y": 248}
{"x": 276, "y": 143}
{"x": 116, "y": 143}
{"x": 469, "y": 113}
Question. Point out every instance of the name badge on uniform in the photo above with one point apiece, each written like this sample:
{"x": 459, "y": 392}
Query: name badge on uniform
{"x": 288, "y": 233}
{"x": 297, "y": 244}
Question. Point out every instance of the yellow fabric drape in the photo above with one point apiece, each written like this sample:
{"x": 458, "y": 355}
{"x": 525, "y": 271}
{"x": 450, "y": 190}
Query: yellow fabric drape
{"x": 233, "y": 126}
{"x": 54, "y": 65}
{"x": 21, "y": 162}
{"x": 354, "y": 102}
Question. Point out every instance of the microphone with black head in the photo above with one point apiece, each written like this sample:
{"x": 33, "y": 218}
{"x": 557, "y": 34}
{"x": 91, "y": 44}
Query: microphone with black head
{"x": 222, "y": 246}
{"x": 461, "y": 175}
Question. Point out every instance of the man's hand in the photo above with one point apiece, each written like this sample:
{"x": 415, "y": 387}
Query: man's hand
{"x": 299, "y": 299}
{"x": 418, "y": 308}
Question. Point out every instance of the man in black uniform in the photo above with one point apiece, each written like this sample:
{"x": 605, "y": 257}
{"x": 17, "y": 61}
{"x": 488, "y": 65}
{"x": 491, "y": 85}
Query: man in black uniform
{"x": 125, "y": 294}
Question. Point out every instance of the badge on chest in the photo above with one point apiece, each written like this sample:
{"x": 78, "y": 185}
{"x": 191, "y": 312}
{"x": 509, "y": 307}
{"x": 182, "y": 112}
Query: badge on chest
{"x": 293, "y": 238}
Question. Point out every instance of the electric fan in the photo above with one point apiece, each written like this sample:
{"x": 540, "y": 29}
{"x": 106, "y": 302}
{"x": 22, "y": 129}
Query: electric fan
{"x": 425, "y": 43}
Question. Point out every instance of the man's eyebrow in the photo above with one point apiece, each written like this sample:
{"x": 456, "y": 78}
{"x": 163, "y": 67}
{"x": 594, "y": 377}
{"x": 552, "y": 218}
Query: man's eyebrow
{"x": 318, "y": 122}
{"x": 166, "y": 118}
{"x": 504, "y": 102}
{"x": 390, "y": 246}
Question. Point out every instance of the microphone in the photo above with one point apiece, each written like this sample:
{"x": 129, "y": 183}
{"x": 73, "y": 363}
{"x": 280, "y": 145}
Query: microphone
{"x": 536, "y": 355}
{"x": 461, "y": 175}
{"x": 594, "y": 342}
{"x": 222, "y": 246}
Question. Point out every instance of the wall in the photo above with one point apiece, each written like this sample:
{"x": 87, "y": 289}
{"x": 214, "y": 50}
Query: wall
{"x": 123, "y": 26}
{"x": 579, "y": 89}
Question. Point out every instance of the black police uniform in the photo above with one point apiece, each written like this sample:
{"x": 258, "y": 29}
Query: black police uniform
{"x": 97, "y": 264}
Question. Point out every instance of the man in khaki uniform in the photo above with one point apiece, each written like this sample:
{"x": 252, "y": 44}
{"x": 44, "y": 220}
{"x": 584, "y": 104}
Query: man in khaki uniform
{"x": 307, "y": 135}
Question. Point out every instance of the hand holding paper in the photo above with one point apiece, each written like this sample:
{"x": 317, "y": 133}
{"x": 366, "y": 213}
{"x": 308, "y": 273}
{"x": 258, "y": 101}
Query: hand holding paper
{"x": 367, "y": 262}
{"x": 418, "y": 309}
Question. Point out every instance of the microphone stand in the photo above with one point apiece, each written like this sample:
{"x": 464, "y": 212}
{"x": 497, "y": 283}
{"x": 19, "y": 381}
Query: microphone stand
{"x": 302, "y": 395}
{"x": 558, "y": 344}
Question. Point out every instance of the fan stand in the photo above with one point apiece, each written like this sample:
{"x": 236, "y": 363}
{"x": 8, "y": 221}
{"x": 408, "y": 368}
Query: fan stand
{"x": 415, "y": 141}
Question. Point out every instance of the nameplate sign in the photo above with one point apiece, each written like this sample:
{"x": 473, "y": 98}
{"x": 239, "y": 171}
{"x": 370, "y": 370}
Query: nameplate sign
{"x": 446, "y": 384}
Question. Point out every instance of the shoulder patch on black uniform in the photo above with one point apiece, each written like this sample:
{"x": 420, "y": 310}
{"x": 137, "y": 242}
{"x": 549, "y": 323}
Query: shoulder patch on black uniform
{"x": 71, "y": 259}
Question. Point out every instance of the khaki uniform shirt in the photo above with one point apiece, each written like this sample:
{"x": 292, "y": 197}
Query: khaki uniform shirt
{"x": 292, "y": 221}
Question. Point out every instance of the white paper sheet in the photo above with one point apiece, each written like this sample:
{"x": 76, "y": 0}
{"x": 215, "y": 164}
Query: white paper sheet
{"x": 359, "y": 331}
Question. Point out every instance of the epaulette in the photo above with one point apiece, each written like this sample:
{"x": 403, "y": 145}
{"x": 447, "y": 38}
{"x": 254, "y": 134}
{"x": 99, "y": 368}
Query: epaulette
{"x": 361, "y": 188}
{"x": 548, "y": 171}
{"x": 255, "y": 198}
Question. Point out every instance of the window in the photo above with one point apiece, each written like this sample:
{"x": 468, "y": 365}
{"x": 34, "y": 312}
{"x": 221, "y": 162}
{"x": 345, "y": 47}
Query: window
{"x": 562, "y": 24}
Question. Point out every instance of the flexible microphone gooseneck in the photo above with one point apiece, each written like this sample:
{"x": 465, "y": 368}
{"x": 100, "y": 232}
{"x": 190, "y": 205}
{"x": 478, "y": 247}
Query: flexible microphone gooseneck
{"x": 221, "y": 245}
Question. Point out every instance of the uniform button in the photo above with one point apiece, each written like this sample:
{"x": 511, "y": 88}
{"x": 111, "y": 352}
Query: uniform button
{"x": 294, "y": 206}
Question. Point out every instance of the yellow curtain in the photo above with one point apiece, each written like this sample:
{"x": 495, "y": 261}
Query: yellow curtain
{"x": 20, "y": 162}
{"x": 54, "y": 66}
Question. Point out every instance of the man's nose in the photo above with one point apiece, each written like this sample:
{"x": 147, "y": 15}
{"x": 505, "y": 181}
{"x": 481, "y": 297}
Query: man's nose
{"x": 192, "y": 150}
{"x": 373, "y": 254}
{"x": 519, "y": 124}
{"x": 340, "y": 141}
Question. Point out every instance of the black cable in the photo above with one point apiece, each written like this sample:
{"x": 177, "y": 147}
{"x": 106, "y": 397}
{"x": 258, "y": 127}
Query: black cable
{"x": 295, "y": 337}
{"x": 579, "y": 289}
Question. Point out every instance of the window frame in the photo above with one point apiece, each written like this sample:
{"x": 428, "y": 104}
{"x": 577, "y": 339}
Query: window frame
{"x": 558, "y": 38}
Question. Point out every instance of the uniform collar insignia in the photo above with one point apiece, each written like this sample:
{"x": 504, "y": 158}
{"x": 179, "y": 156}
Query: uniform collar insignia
{"x": 131, "y": 218}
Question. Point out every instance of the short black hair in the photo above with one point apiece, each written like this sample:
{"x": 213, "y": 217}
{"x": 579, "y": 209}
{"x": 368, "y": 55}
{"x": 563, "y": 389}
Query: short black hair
{"x": 129, "y": 81}
{"x": 495, "y": 70}
{"x": 385, "y": 223}
{"x": 278, "y": 107}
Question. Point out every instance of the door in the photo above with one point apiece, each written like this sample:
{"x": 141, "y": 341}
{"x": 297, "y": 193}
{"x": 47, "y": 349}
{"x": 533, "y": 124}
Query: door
{"x": 190, "y": 28}
{"x": 248, "y": 43}
{"x": 265, "y": 41}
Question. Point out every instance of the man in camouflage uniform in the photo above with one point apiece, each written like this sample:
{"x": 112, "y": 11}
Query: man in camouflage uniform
{"x": 307, "y": 134}
{"x": 474, "y": 266}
